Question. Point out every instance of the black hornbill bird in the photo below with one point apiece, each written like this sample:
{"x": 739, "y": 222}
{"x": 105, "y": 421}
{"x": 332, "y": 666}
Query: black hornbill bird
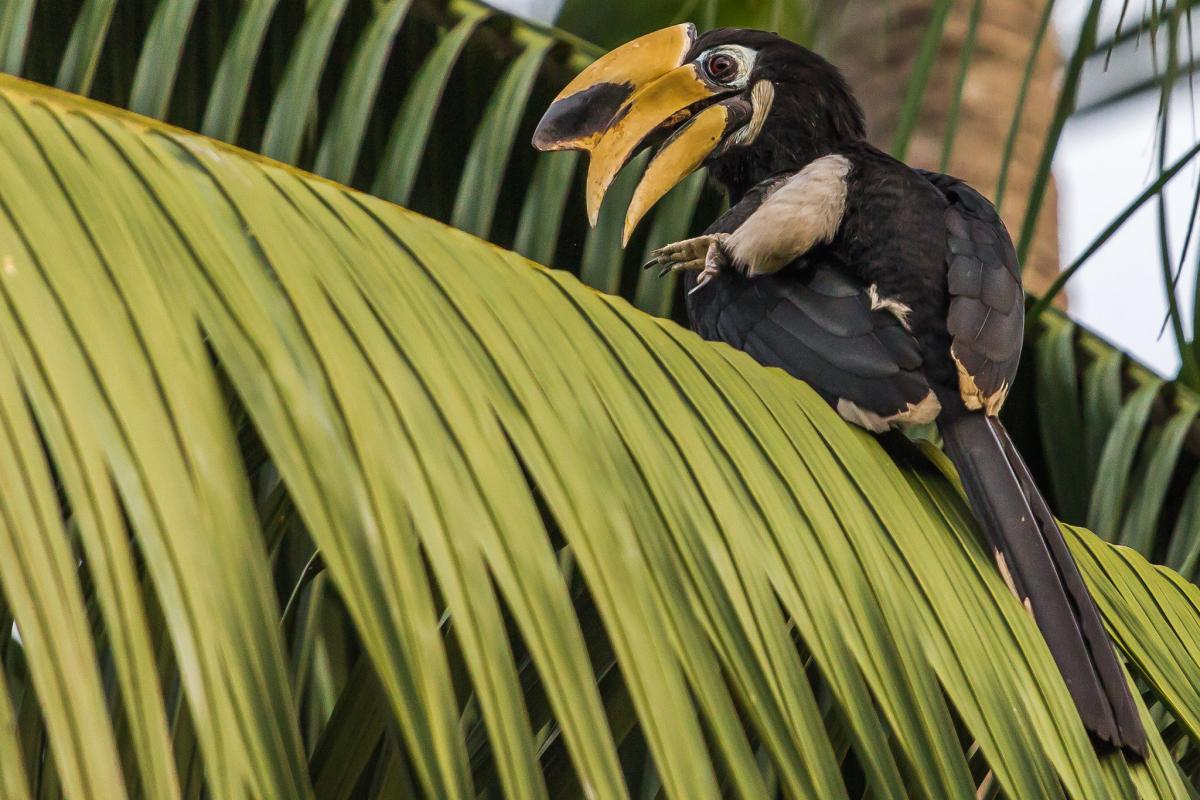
{"x": 894, "y": 292}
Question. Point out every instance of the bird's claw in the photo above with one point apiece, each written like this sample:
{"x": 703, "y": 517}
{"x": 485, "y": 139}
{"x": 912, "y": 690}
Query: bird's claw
{"x": 703, "y": 253}
{"x": 706, "y": 275}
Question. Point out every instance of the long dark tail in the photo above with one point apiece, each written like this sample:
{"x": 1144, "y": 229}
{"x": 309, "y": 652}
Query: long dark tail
{"x": 1031, "y": 553}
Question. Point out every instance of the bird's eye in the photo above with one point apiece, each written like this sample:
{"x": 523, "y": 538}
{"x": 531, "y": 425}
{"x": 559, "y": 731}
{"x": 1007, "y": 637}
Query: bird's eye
{"x": 722, "y": 68}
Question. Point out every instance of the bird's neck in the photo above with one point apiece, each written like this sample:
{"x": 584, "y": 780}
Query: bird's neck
{"x": 741, "y": 169}
{"x": 798, "y": 134}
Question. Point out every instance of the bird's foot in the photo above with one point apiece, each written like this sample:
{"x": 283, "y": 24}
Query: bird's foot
{"x": 703, "y": 253}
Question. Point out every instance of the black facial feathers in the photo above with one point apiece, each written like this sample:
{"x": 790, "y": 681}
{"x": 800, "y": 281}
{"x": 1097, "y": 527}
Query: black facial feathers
{"x": 813, "y": 112}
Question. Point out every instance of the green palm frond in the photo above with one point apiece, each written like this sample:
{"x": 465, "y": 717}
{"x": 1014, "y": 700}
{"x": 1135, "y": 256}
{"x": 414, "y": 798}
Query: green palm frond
{"x": 565, "y": 548}
{"x": 423, "y": 103}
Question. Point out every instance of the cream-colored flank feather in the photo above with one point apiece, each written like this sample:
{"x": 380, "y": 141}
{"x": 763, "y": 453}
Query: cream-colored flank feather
{"x": 805, "y": 210}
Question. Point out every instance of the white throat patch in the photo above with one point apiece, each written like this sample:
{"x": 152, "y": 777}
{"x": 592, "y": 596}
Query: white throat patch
{"x": 762, "y": 96}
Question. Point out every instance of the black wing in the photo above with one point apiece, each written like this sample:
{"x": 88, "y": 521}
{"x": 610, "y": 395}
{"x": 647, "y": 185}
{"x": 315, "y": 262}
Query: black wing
{"x": 817, "y": 324}
{"x": 987, "y": 305}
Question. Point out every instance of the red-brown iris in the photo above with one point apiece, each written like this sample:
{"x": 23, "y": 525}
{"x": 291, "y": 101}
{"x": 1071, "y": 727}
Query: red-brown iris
{"x": 722, "y": 68}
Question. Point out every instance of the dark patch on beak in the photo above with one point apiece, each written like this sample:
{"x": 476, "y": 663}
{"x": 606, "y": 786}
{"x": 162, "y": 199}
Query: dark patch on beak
{"x": 599, "y": 95}
{"x": 582, "y": 116}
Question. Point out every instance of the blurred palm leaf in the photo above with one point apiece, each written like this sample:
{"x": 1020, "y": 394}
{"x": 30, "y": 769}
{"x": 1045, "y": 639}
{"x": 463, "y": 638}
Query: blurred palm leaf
{"x": 1133, "y": 441}
{"x": 566, "y": 549}
{"x": 610, "y": 24}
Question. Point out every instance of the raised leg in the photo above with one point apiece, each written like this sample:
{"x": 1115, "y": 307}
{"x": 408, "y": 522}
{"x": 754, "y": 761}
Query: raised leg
{"x": 703, "y": 253}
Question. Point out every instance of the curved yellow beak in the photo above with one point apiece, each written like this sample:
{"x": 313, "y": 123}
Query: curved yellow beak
{"x": 614, "y": 107}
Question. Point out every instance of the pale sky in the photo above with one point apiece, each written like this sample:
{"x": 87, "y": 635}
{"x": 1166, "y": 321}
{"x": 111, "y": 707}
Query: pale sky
{"x": 1104, "y": 160}
{"x": 538, "y": 10}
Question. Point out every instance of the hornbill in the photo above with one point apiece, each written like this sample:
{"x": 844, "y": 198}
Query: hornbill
{"x": 894, "y": 292}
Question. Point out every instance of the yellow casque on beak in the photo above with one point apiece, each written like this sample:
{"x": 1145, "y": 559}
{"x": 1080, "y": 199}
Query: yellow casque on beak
{"x": 661, "y": 100}
{"x": 613, "y": 106}
{"x": 582, "y": 112}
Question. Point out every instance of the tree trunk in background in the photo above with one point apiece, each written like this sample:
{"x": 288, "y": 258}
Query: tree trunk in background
{"x": 877, "y": 46}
